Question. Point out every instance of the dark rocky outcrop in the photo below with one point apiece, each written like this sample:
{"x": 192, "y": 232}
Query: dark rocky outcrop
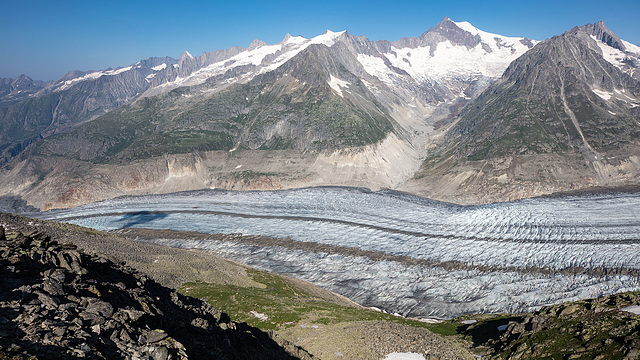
{"x": 59, "y": 303}
{"x": 601, "y": 328}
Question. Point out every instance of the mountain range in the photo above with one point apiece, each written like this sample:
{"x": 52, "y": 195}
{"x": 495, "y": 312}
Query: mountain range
{"x": 456, "y": 114}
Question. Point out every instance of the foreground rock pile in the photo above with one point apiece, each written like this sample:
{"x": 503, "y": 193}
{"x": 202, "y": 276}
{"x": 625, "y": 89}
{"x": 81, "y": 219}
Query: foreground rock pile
{"x": 59, "y": 303}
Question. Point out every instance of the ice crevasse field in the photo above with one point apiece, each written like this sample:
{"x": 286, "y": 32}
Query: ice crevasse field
{"x": 412, "y": 256}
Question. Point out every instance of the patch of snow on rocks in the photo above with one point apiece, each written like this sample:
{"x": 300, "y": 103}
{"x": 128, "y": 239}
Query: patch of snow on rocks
{"x": 404, "y": 356}
{"x": 635, "y": 309}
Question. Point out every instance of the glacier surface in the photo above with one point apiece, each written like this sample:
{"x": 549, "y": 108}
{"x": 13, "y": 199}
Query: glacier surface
{"x": 415, "y": 256}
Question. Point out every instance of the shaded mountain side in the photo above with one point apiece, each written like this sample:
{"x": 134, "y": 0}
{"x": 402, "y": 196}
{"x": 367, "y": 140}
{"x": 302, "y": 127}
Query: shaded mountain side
{"x": 18, "y": 88}
{"x": 39, "y": 111}
{"x": 60, "y": 303}
{"x": 561, "y": 117}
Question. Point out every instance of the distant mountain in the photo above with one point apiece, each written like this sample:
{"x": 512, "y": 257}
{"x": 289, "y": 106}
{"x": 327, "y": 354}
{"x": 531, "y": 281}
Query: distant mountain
{"x": 32, "y": 110}
{"x": 563, "y": 116}
{"x": 336, "y": 109}
{"x": 456, "y": 114}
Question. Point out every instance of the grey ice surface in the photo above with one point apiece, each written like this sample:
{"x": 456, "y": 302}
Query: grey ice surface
{"x": 512, "y": 241}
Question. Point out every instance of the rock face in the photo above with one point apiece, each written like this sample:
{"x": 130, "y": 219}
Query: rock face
{"x": 59, "y": 303}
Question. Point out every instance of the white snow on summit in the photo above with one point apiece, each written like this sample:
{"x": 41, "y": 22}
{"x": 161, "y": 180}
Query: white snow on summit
{"x": 283, "y": 52}
{"x": 159, "y": 67}
{"x": 448, "y": 60}
{"x": 91, "y": 76}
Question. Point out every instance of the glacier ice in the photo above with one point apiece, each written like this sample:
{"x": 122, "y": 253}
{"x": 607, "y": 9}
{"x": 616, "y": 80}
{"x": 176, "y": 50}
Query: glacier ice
{"x": 445, "y": 259}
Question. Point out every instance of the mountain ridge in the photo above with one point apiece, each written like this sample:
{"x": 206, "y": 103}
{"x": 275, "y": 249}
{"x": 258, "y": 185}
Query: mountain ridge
{"x": 340, "y": 109}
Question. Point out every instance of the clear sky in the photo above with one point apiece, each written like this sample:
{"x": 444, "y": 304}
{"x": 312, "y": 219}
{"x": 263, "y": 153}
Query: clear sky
{"x": 45, "y": 39}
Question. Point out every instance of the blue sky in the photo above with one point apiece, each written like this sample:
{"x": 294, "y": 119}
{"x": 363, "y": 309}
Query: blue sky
{"x": 45, "y": 39}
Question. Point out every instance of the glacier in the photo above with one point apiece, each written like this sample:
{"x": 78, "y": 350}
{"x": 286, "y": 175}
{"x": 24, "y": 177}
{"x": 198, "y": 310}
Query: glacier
{"x": 405, "y": 254}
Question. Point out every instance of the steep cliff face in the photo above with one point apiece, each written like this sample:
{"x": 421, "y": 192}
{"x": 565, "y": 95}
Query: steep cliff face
{"x": 561, "y": 117}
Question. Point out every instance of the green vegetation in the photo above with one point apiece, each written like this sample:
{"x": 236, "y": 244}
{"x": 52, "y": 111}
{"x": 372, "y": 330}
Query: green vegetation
{"x": 264, "y": 114}
{"x": 282, "y": 302}
{"x": 587, "y": 329}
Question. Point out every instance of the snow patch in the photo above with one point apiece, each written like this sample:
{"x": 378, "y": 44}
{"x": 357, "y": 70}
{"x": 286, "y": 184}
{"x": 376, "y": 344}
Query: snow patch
{"x": 159, "y": 67}
{"x": 404, "y": 356}
{"x": 259, "y": 315}
{"x": 92, "y": 76}
{"x": 309, "y": 326}
{"x": 617, "y": 57}
{"x": 338, "y": 84}
{"x": 635, "y": 309}
{"x": 631, "y": 47}
{"x": 603, "y": 94}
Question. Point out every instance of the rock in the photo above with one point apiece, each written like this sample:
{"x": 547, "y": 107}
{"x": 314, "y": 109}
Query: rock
{"x": 46, "y": 306}
{"x": 92, "y": 318}
{"x": 47, "y": 300}
{"x": 53, "y": 287}
{"x": 101, "y": 308}
{"x": 160, "y": 353}
{"x": 155, "y": 335}
{"x": 134, "y": 315}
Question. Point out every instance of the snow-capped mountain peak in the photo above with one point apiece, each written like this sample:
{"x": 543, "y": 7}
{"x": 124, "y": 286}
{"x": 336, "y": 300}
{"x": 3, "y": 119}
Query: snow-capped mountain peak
{"x": 616, "y": 51}
{"x": 256, "y": 59}
{"x": 452, "y": 54}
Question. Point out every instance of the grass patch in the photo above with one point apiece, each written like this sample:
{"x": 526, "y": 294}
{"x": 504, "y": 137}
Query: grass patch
{"x": 284, "y": 303}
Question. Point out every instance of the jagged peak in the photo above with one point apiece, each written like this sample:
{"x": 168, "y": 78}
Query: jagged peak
{"x": 185, "y": 56}
{"x": 601, "y": 32}
{"x": 256, "y": 44}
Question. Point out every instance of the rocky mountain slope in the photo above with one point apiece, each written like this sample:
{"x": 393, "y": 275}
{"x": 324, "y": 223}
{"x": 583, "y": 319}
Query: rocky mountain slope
{"x": 33, "y": 110}
{"x": 59, "y": 303}
{"x": 563, "y": 116}
{"x": 337, "y": 109}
